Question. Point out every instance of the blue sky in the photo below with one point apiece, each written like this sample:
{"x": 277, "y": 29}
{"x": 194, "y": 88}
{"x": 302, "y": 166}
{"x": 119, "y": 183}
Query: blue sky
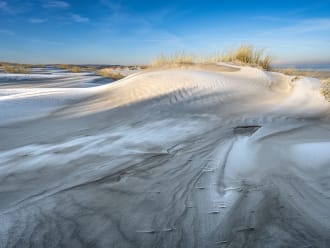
{"x": 133, "y": 32}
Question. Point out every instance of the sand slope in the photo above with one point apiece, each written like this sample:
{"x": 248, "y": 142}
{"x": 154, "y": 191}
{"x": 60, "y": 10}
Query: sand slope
{"x": 188, "y": 157}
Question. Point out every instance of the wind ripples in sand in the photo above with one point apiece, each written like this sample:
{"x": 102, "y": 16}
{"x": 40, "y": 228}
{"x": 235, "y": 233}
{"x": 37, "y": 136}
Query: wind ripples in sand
{"x": 173, "y": 158}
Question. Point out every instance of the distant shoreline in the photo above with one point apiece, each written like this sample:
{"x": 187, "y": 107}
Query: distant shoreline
{"x": 320, "y": 74}
{"x": 304, "y": 67}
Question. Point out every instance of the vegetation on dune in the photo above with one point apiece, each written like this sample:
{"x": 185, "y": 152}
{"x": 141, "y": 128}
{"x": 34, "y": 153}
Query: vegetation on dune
{"x": 178, "y": 59}
{"x": 15, "y": 68}
{"x": 64, "y": 66}
{"x": 110, "y": 74}
{"x": 243, "y": 55}
{"x": 112, "y": 71}
{"x": 75, "y": 69}
{"x": 325, "y": 88}
{"x": 265, "y": 63}
{"x": 71, "y": 68}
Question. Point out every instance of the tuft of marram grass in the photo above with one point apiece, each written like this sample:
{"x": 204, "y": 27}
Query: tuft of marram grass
{"x": 265, "y": 62}
{"x": 243, "y": 55}
{"x": 246, "y": 55}
{"x": 109, "y": 74}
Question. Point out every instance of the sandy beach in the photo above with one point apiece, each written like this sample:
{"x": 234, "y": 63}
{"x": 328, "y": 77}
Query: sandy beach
{"x": 201, "y": 156}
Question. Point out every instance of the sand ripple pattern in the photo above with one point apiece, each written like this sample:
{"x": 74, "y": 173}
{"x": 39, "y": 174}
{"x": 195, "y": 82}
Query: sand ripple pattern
{"x": 173, "y": 158}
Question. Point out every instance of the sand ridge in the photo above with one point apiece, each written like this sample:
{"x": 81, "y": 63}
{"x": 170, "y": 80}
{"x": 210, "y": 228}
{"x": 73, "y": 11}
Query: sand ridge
{"x": 167, "y": 158}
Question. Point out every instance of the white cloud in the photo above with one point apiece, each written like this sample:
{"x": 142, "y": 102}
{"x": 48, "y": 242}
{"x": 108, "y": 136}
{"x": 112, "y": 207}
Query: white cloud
{"x": 37, "y": 20}
{"x": 57, "y": 4}
{"x": 78, "y": 18}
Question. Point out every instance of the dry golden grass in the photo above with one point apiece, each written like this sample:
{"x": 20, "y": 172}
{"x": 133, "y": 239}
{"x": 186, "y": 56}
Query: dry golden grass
{"x": 110, "y": 74}
{"x": 75, "y": 69}
{"x": 64, "y": 66}
{"x": 243, "y": 55}
{"x": 71, "y": 68}
{"x": 176, "y": 59}
{"x": 265, "y": 63}
{"x": 16, "y": 68}
{"x": 325, "y": 88}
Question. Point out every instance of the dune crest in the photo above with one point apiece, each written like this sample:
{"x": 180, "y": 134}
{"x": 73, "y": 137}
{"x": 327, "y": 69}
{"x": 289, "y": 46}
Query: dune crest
{"x": 190, "y": 157}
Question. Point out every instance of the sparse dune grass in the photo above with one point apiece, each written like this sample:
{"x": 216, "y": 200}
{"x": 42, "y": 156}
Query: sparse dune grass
{"x": 107, "y": 73}
{"x": 75, "y": 69}
{"x": 266, "y": 62}
{"x": 71, "y": 68}
{"x": 243, "y": 55}
{"x": 64, "y": 66}
{"x": 325, "y": 88}
{"x": 176, "y": 59}
{"x": 15, "y": 68}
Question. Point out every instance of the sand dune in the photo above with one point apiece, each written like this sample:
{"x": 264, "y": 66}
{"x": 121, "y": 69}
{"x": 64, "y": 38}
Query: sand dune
{"x": 190, "y": 157}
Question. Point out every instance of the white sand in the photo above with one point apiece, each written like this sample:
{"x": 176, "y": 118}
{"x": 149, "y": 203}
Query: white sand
{"x": 168, "y": 158}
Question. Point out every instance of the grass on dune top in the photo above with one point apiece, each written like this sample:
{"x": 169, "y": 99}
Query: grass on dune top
{"x": 243, "y": 55}
{"x": 108, "y": 73}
